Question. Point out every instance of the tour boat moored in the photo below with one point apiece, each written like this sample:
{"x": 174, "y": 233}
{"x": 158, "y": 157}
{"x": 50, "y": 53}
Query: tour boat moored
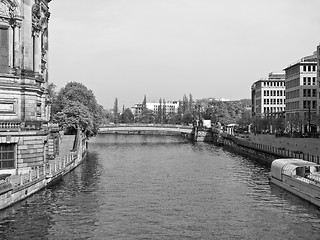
{"x": 297, "y": 176}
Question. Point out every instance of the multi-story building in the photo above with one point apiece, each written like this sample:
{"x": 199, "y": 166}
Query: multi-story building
{"x": 137, "y": 109}
{"x": 167, "y": 107}
{"x": 24, "y": 103}
{"x": 268, "y": 95}
{"x": 318, "y": 79}
{"x": 301, "y": 94}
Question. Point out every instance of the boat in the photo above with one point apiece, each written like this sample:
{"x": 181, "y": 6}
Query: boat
{"x": 297, "y": 176}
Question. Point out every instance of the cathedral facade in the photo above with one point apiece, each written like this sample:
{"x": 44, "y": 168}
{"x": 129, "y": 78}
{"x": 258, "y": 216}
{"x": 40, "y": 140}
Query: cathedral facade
{"x": 25, "y": 140}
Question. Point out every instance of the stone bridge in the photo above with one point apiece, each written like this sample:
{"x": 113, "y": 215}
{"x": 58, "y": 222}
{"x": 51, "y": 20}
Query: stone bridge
{"x": 161, "y": 129}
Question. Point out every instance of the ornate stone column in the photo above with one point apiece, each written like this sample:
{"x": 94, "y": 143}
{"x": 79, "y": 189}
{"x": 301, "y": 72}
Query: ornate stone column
{"x": 11, "y": 46}
{"x": 16, "y": 50}
{"x": 37, "y": 51}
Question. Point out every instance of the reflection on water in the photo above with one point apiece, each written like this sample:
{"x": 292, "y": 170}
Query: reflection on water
{"x": 151, "y": 187}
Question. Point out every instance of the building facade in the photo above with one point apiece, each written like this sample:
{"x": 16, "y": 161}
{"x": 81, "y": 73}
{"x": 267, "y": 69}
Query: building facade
{"x": 318, "y": 80}
{"x": 301, "y": 95}
{"x": 268, "y": 95}
{"x": 24, "y": 104}
{"x": 167, "y": 107}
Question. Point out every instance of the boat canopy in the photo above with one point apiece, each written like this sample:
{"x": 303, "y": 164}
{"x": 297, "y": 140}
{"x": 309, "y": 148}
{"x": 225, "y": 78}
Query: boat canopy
{"x": 287, "y": 166}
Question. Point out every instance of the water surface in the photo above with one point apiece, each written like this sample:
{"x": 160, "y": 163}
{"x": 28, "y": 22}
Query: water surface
{"x": 161, "y": 187}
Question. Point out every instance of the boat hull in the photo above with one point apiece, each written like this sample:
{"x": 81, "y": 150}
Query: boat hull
{"x": 306, "y": 191}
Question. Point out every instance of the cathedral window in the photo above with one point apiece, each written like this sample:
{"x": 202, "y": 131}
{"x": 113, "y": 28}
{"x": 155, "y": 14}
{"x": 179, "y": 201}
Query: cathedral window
{"x": 4, "y": 50}
{"x": 7, "y": 156}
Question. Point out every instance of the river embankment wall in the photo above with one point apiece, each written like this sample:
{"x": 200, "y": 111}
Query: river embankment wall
{"x": 304, "y": 145}
{"x": 266, "y": 148}
{"x": 15, "y": 188}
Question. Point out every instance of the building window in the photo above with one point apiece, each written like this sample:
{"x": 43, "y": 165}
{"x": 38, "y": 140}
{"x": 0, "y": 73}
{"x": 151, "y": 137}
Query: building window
{"x": 7, "y": 153}
{"x": 38, "y": 109}
{"x": 304, "y": 68}
{"x": 4, "y": 50}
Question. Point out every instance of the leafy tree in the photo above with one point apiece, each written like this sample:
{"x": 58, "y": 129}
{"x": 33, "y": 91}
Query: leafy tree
{"x": 279, "y": 124}
{"x": 160, "y": 111}
{"x": 115, "y": 111}
{"x": 185, "y": 104}
{"x": 52, "y": 96}
{"x": 75, "y": 115}
{"x": 164, "y": 112}
{"x": 75, "y": 92}
{"x": 187, "y": 118}
{"x": 127, "y": 116}
{"x": 147, "y": 116}
{"x": 190, "y": 102}
{"x": 144, "y": 102}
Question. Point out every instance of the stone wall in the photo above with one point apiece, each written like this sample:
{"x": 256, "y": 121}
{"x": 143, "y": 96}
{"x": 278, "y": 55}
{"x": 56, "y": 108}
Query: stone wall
{"x": 305, "y": 145}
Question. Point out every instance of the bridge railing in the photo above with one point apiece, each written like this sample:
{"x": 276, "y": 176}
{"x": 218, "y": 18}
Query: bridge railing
{"x": 145, "y": 125}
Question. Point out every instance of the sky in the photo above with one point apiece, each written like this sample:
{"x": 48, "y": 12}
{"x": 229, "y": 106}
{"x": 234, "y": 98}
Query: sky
{"x": 126, "y": 49}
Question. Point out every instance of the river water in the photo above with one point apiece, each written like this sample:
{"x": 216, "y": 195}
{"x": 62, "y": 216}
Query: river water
{"x": 161, "y": 187}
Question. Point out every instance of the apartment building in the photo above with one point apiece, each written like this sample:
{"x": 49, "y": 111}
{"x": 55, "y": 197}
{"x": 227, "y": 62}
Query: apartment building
{"x": 301, "y": 94}
{"x": 268, "y": 95}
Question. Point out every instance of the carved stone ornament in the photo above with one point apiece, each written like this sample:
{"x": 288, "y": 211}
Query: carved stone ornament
{"x": 40, "y": 16}
{"x": 10, "y": 12}
{"x": 4, "y": 9}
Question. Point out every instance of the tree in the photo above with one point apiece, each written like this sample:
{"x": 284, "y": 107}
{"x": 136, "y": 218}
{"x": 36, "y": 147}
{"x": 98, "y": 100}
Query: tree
{"x": 52, "y": 96}
{"x": 164, "y": 112}
{"x": 127, "y": 116}
{"x": 160, "y": 111}
{"x": 144, "y": 102}
{"x": 75, "y": 92}
{"x": 115, "y": 111}
{"x": 185, "y": 104}
{"x": 187, "y": 118}
{"x": 75, "y": 115}
{"x": 279, "y": 124}
{"x": 190, "y": 102}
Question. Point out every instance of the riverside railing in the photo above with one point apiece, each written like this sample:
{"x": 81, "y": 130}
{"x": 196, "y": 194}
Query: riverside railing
{"x": 48, "y": 170}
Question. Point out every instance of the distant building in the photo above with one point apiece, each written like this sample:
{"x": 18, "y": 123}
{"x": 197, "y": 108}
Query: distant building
{"x": 137, "y": 109}
{"x": 24, "y": 102}
{"x": 301, "y": 94}
{"x": 318, "y": 79}
{"x": 167, "y": 107}
{"x": 268, "y": 95}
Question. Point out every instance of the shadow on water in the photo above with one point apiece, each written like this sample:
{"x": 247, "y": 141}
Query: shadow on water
{"x": 18, "y": 222}
{"x": 34, "y": 217}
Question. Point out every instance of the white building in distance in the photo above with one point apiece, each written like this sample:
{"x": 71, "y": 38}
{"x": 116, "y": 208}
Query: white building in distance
{"x": 268, "y": 95}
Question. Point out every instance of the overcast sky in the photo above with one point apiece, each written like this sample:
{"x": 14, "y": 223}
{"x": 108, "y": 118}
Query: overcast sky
{"x": 168, "y": 48}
